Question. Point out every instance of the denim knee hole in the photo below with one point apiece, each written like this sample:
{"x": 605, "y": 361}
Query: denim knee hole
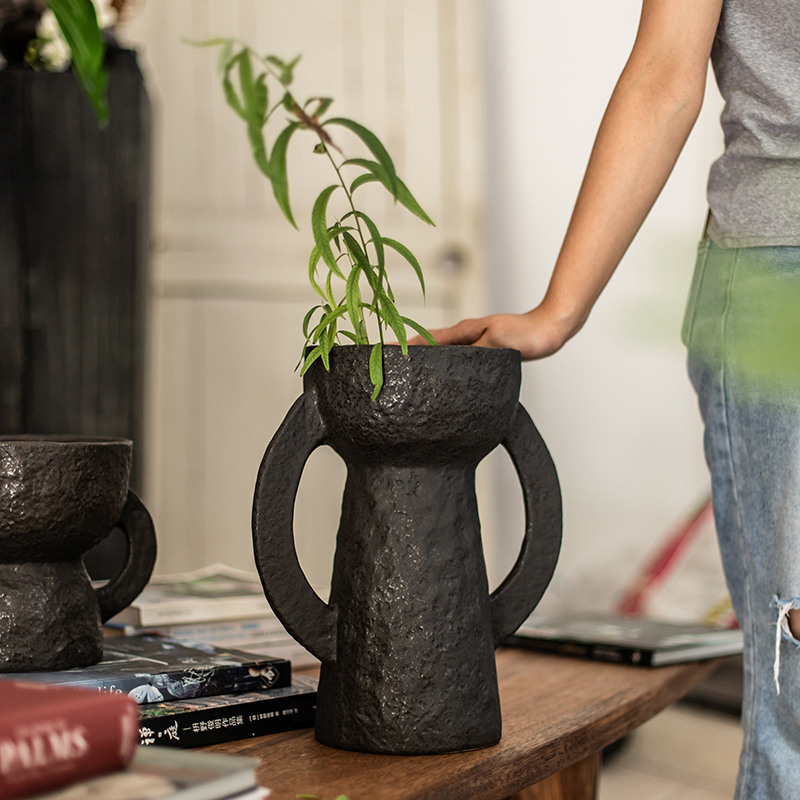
{"x": 783, "y": 632}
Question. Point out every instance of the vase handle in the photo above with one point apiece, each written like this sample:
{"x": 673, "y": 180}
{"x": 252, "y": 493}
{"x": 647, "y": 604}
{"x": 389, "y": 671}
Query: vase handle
{"x": 514, "y": 600}
{"x": 122, "y": 590}
{"x": 307, "y": 618}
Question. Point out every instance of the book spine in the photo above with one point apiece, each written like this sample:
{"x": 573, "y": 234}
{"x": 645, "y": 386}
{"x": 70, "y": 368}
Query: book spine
{"x": 49, "y": 748}
{"x": 228, "y": 723}
{"x": 197, "y": 683}
{"x": 612, "y": 653}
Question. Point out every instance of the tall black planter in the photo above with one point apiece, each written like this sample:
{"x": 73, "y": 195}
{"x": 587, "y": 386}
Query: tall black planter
{"x": 74, "y": 230}
{"x": 407, "y": 639}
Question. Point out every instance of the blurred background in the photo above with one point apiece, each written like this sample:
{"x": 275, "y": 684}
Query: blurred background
{"x": 489, "y": 108}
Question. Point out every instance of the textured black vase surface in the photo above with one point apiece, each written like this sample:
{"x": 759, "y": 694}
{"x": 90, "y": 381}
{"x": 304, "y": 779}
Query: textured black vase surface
{"x": 407, "y": 638}
{"x": 60, "y": 496}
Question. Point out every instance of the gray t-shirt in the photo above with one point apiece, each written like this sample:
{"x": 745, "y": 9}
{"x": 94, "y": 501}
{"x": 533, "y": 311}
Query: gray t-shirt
{"x": 754, "y": 188}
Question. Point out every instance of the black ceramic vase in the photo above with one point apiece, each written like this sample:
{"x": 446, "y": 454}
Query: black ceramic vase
{"x": 60, "y": 496}
{"x": 407, "y": 638}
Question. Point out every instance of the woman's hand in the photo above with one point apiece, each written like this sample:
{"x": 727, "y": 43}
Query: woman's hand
{"x": 536, "y": 334}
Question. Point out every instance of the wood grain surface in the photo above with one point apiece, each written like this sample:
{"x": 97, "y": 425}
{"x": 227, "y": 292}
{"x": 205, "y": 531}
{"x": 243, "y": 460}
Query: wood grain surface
{"x": 557, "y": 711}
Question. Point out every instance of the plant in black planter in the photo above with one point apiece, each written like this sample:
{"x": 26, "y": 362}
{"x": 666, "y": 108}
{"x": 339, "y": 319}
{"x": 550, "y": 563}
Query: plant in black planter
{"x": 407, "y": 637}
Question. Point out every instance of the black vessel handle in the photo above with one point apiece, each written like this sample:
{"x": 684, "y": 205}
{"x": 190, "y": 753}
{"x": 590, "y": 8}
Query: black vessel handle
{"x": 307, "y": 618}
{"x": 122, "y": 590}
{"x": 514, "y": 600}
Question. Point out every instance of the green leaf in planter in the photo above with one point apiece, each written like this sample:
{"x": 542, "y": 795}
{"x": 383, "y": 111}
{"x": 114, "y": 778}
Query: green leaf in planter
{"x": 254, "y": 106}
{"x": 395, "y": 322}
{"x": 410, "y": 257}
{"x": 353, "y": 301}
{"x": 323, "y": 104}
{"x": 230, "y": 93}
{"x": 286, "y": 70}
{"x": 319, "y": 228}
{"x": 224, "y": 54}
{"x": 277, "y": 170}
{"x": 375, "y": 147}
{"x": 310, "y": 359}
{"x": 354, "y": 248}
{"x": 423, "y": 332}
{"x": 376, "y": 368}
{"x": 307, "y": 320}
{"x": 78, "y": 22}
{"x": 377, "y": 173}
{"x": 215, "y": 42}
{"x": 376, "y": 239}
{"x": 329, "y": 289}
{"x": 331, "y": 316}
{"x": 312, "y": 271}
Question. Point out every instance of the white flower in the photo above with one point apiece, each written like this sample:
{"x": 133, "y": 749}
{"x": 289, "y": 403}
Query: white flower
{"x": 56, "y": 55}
{"x": 51, "y": 46}
{"x": 47, "y": 27}
{"x": 107, "y": 15}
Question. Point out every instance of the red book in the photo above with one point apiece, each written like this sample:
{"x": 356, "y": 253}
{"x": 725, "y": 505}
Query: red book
{"x": 51, "y": 736}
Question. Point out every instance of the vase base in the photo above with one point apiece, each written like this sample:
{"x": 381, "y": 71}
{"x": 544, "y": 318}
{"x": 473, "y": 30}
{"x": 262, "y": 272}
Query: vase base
{"x": 49, "y": 618}
{"x": 409, "y": 747}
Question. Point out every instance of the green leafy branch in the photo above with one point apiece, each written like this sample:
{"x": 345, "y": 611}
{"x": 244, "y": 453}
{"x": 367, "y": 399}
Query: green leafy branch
{"x": 349, "y": 251}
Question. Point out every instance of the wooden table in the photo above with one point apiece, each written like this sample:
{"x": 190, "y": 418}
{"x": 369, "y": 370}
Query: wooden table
{"x": 558, "y": 714}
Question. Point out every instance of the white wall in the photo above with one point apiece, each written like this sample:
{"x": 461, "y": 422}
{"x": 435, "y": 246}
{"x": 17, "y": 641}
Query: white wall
{"x": 614, "y": 406}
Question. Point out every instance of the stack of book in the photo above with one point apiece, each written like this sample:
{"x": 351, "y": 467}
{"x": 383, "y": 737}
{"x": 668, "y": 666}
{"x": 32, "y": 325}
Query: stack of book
{"x": 189, "y": 696}
{"x": 216, "y": 605}
{"x": 76, "y": 744}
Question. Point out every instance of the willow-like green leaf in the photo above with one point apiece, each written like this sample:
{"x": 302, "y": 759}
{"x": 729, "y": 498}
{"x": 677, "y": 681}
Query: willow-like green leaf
{"x": 374, "y": 144}
{"x": 377, "y": 173}
{"x": 423, "y": 332}
{"x": 330, "y": 316}
{"x": 326, "y": 343}
{"x": 307, "y": 320}
{"x": 310, "y": 359}
{"x": 215, "y": 42}
{"x": 254, "y": 105}
{"x": 376, "y": 368}
{"x": 408, "y": 256}
{"x": 323, "y": 104}
{"x": 227, "y": 86}
{"x": 78, "y": 22}
{"x": 312, "y": 271}
{"x": 286, "y": 70}
{"x": 353, "y": 301}
{"x": 329, "y": 289}
{"x": 261, "y": 99}
{"x": 224, "y": 54}
{"x": 376, "y": 239}
{"x": 319, "y": 228}
{"x": 354, "y": 248}
{"x": 277, "y": 170}
{"x": 393, "y": 319}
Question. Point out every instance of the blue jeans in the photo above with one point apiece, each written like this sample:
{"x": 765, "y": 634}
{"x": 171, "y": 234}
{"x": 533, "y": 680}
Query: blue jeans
{"x": 742, "y": 329}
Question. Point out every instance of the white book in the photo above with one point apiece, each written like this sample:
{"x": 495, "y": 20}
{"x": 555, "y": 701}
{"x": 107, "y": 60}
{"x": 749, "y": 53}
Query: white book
{"x": 216, "y": 592}
{"x": 171, "y": 774}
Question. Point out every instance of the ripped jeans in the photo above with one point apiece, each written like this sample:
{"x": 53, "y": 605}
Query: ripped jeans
{"x": 742, "y": 329}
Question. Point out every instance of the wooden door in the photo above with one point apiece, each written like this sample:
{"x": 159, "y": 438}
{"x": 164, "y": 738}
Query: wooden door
{"x": 229, "y": 287}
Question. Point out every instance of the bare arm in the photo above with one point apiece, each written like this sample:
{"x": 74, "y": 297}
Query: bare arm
{"x": 648, "y": 119}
